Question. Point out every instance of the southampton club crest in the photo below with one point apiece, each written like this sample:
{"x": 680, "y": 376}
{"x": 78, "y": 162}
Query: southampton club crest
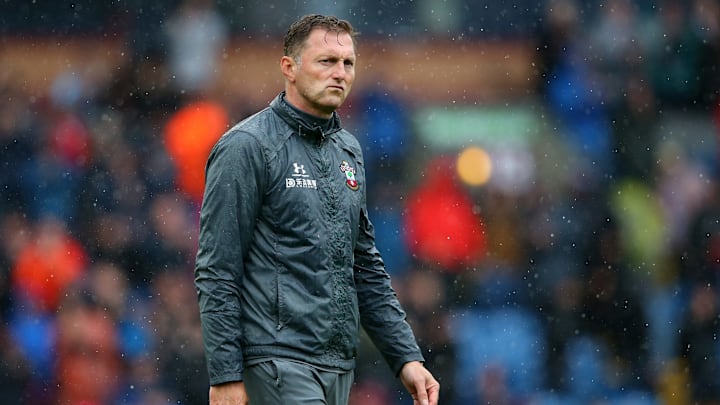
{"x": 350, "y": 180}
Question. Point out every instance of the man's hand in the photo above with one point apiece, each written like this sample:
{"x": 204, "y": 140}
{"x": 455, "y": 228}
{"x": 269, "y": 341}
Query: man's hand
{"x": 423, "y": 387}
{"x": 229, "y": 393}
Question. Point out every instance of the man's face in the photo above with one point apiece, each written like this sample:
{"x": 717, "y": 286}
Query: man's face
{"x": 324, "y": 74}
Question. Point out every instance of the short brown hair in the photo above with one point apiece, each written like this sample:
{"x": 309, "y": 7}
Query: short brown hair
{"x": 300, "y": 30}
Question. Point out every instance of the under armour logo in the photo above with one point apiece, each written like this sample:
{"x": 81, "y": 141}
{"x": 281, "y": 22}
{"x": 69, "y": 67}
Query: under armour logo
{"x": 299, "y": 169}
{"x": 300, "y": 178}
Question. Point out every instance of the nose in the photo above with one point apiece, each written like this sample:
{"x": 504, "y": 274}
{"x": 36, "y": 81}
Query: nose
{"x": 339, "y": 70}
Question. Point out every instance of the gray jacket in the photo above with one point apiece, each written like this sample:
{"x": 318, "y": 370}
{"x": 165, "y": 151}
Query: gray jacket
{"x": 287, "y": 264}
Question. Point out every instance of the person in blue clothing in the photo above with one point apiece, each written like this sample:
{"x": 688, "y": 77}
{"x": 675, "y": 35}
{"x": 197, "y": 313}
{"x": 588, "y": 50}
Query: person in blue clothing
{"x": 287, "y": 271}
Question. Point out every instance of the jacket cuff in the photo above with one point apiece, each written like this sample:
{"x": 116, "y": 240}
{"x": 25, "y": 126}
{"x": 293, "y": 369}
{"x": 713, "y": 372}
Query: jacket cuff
{"x": 401, "y": 363}
{"x": 226, "y": 378}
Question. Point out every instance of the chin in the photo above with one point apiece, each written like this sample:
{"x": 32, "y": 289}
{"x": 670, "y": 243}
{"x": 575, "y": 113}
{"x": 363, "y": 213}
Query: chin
{"x": 333, "y": 105}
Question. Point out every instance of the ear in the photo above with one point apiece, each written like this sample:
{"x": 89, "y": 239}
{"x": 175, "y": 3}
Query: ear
{"x": 288, "y": 66}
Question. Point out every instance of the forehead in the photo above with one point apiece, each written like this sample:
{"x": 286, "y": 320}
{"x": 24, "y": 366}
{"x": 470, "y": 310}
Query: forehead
{"x": 323, "y": 41}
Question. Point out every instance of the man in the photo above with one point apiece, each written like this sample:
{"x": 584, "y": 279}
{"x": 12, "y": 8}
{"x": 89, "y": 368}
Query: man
{"x": 287, "y": 269}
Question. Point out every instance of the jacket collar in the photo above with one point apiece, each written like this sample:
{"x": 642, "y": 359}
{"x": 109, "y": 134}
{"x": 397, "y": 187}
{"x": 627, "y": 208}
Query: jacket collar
{"x": 281, "y": 107}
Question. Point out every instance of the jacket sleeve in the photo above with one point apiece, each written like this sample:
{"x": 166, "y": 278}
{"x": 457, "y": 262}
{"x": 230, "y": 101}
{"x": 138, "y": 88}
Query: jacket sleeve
{"x": 230, "y": 205}
{"x": 381, "y": 315}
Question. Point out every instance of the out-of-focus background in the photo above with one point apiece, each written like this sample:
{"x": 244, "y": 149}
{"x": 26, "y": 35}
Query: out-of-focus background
{"x": 543, "y": 179}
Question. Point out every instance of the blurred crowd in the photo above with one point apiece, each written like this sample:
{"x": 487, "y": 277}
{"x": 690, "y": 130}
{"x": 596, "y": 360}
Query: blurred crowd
{"x": 593, "y": 282}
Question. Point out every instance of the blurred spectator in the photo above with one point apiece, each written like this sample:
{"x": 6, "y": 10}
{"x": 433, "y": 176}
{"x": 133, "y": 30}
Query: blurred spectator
{"x": 699, "y": 346}
{"x": 684, "y": 185}
{"x": 613, "y": 50}
{"x": 189, "y": 135}
{"x": 562, "y": 232}
{"x": 634, "y": 129}
{"x": 440, "y": 224}
{"x": 55, "y": 170}
{"x": 555, "y": 38}
{"x": 673, "y": 55}
{"x": 197, "y": 34}
{"x": 33, "y": 342}
{"x": 89, "y": 366}
{"x": 18, "y": 233}
{"x": 110, "y": 288}
{"x": 705, "y": 23}
{"x": 576, "y": 96}
{"x": 138, "y": 21}
{"x": 423, "y": 292}
{"x": 505, "y": 245}
{"x": 14, "y": 371}
{"x": 642, "y": 229}
{"x": 700, "y": 253}
{"x": 613, "y": 314}
{"x": 501, "y": 354}
{"x": 180, "y": 355}
{"x": 43, "y": 271}
{"x": 45, "y": 267}
{"x": 25, "y": 338}
{"x": 172, "y": 235}
{"x": 384, "y": 131}
{"x": 17, "y": 145}
{"x": 562, "y": 316}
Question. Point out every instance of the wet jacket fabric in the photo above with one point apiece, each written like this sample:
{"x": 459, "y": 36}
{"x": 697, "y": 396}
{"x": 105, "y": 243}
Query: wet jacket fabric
{"x": 287, "y": 264}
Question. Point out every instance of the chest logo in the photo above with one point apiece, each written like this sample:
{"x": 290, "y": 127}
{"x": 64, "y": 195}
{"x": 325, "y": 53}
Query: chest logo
{"x": 350, "y": 180}
{"x": 299, "y": 178}
{"x": 298, "y": 169}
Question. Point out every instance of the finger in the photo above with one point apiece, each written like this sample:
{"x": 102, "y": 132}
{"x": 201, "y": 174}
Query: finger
{"x": 434, "y": 394}
{"x": 421, "y": 393}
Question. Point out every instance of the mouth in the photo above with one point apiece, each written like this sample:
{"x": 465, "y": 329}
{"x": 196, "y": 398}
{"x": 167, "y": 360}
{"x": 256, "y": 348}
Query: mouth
{"x": 336, "y": 87}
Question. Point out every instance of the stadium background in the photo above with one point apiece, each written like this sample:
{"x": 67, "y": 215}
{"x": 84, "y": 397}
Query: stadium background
{"x": 544, "y": 186}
